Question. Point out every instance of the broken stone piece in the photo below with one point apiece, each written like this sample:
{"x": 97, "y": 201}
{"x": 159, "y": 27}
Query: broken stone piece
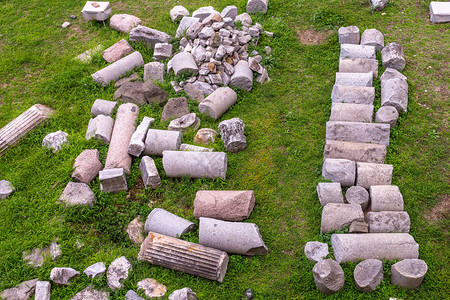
{"x": 184, "y": 63}
{"x": 369, "y": 174}
{"x": 373, "y": 37}
{"x": 351, "y": 112}
{"x": 63, "y": 275}
{"x": 394, "y": 92}
{"x": 117, "y": 51}
{"x": 101, "y": 128}
{"x": 137, "y": 139}
{"x": 329, "y": 192}
{"x": 166, "y": 223}
{"x": 388, "y": 221}
{"x": 187, "y": 147}
{"x": 132, "y": 295}
{"x": 232, "y": 133}
{"x": 349, "y": 35}
{"x": 242, "y": 76}
{"x": 158, "y": 141}
{"x": 65, "y": 25}
{"x": 408, "y": 273}
{"x": 87, "y": 165}
{"x": 205, "y": 136}
{"x": 388, "y": 115}
{"x": 55, "y": 140}
{"x": 77, "y": 193}
{"x": 379, "y": 5}
{"x": 117, "y": 272}
{"x": 189, "y": 121}
{"x": 148, "y": 35}
{"x": 329, "y": 276}
{"x": 135, "y": 230}
{"x": 103, "y": 107}
{"x": 183, "y": 294}
{"x": 124, "y": 22}
{"x": 91, "y": 294}
{"x": 353, "y": 94}
{"x": 358, "y": 195}
{"x": 150, "y": 175}
{"x": 116, "y": 70}
{"x": 368, "y": 274}
{"x": 42, "y": 290}
{"x": 154, "y": 71}
{"x": 363, "y": 152}
{"x": 358, "y": 226}
{"x": 354, "y": 79}
{"x": 132, "y": 78}
{"x": 439, "y": 12}
{"x": 194, "y": 92}
{"x": 6, "y": 189}
{"x": 357, "y": 51}
{"x": 359, "y": 65}
{"x": 152, "y": 288}
{"x": 392, "y": 56}
{"x": 162, "y": 51}
{"x": 204, "y": 12}
{"x": 22, "y": 291}
{"x": 336, "y": 216}
{"x": 38, "y": 256}
{"x": 254, "y": 6}
{"x": 195, "y": 164}
{"x": 229, "y": 12}
{"x": 95, "y": 270}
{"x": 316, "y": 251}
{"x": 175, "y": 108}
{"x": 113, "y": 180}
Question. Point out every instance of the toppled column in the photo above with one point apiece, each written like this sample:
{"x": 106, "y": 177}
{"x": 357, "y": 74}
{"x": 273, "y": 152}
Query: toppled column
{"x": 358, "y": 132}
{"x": 329, "y": 192}
{"x": 351, "y": 112}
{"x": 232, "y": 237}
{"x": 392, "y": 56}
{"x": 373, "y": 37}
{"x": 233, "y": 137}
{"x": 368, "y": 174}
{"x": 349, "y": 35}
{"x": 224, "y": 205}
{"x": 336, "y": 216}
{"x": 163, "y": 222}
{"x": 390, "y": 246}
{"x": 217, "y": 103}
{"x": 113, "y": 180}
{"x": 362, "y": 152}
{"x": 137, "y": 139}
{"x": 158, "y": 141}
{"x": 354, "y": 79}
{"x": 195, "y": 164}
{"x": 101, "y": 128}
{"x": 242, "y": 76}
{"x": 388, "y": 221}
{"x": 124, "y": 128}
{"x": 339, "y": 170}
{"x": 359, "y": 65}
{"x": 357, "y": 51}
{"x": 103, "y": 107}
{"x": 114, "y": 71}
{"x": 386, "y": 198}
{"x": 328, "y": 276}
{"x": 150, "y": 174}
{"x": 408, "y": 273}
{"x": 184, "y": 256}
{"x": 184, "y": 63}
{"x": 353, "y": 94}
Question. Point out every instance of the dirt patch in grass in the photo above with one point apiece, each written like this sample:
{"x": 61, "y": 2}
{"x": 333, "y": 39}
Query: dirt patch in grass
{"x": 313, "y": 37}
{"x": 441, "y": 211}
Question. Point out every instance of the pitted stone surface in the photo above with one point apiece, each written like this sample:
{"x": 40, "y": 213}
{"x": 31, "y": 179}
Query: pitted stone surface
{"x": 22, "y": 291}
{"x": 117, "y": 272}
{"x": 386, "y": 198}
{"x": 358, "y": 132}
{"x": 392, "y": 56}
{"x": 349, "y": 35}
{"x": 148, "y": 35}
{"x": 368, "y": 274}
{"x": 351, "y": 112}
{"x": 368, "y": 174}
{"x": 362, "y": 152}
{"x": 329, "y": 192}
{"x": 388, "y": 115}
{"x": 95, "y": 270}
{"x": 117, "y": 51}
{"x": 373, "y": 37}
{"x": 359, "y": 65}
{"x": 135, "y": 231}
{"x": 388, "y": 221}
{"x": 254, "y": 6}
{"x": 336, "y": 216}
{"x": 124, "y": 22}
{"x": 188, "y": 121}
{"x": 42, "y": 290}
{"x": 316, "y": 251}
{"x": 154, "y": 71}
{"x": 205, "y": 136}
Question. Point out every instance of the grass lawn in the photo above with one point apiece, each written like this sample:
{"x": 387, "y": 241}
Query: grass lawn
{"x": 285, "y": 128}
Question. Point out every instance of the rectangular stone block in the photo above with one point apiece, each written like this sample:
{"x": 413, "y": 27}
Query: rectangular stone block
{"x": 353, "y": 94}
{"x": 368, "y": 174}
{"x": 359, "y": 152}
{"x": 386, "y": 198}
{"x": 113, "y": 180}
{"x": 357, "y": 51}
{"x": 359, "y": 65}
{"x": 358, "y": 132}
{"x": 350, "y": 112}
{"x": 137, "y": 145}
{"x": 439, "y": 12}
{"x": 354, "y": 79}
{"x": 150, "y": 174}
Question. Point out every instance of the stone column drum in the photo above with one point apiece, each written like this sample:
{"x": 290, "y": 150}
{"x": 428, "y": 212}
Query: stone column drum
{"x": 163, "y": 222}
{"x": 216, "y": 104}
{"x": 195, "y": 164}
{"x": 158, "y": 141}
{"x": 232, "y": 132}
{"x": 119, "y": 68}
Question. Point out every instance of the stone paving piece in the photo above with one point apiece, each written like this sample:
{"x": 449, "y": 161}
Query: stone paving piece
{"x": 131, "y": 295}
{"x": 22, "y": 291}
{"x": 137, "y": 139}
{"x": 233, "y": 136}
{"x": 183, "y": 294}
{"x": 349, "y": 35}
{"x": 354, "y": 79}
{"x": 386, "y": 198}
{"x": 394, "y": 92}
{"x": 439, "y": 12}
{"x": 357, "y": 247}
{"x": 194, "y": 92}
{"x": 87, "y": 165}
{"x": 90, "y": 294}
{"x": 408, "y": 273}
{"x": 152, "y": 288}
{"x": 232, "y": 237}
{"x": 205, "y": 136}
{"x": 353, "y": 94}
{"x": 357, "y": 51}
{"x": 388, "y": 115}
{"x": 42, "y": 290}
{"x": 150, "y": 175}
{"x": 117, "y": 272}
{"x": 162, "y": 51}
{"x": 392, "y": 56}
{"x": 95, "y": 270}
{"x": 351, "y": 112}
{"x": 369, "y": 174}
{"x": 154, "y": 71}
{"x": 328, "y": 276}
{"x": 6, "y": 189}
{"x": 158, "y": 141}
{"x": 358, "y": 132}
{"x": 184, "y": 63}
{"x": 336, "y": 216}
{"x": 166, "y": 223}
{"x": 358, "y": 195}
{"x": 77, "y": 193}
{"x": 103, "y": 107}
{"x": 379, "y": 4}
{"x": 368, "y": 274}
{"x": 358, "y": 65}
{"x": 148, "y": 35}
{"x": 114, "y": 71}
{"x": 38, "y": 256}
{"x": 55, "y": 140}
{"x": 388, "y": 221}
{"x": 188, "y": 121}
{"x": 178, "y": 12}
{"x": 329, "y": 192}
{"x": 216, "y": 104}
{"x": 117, "y": 51}
{"x": 339, "y": 170}
{"x": 361, "y": 152}
{"x": 316, "y": 251}
{"x": 124, "y": 22}
{"x": 195, "y": 164}
{"x": 101, "y": 128}
{"x": 113, "y": 180}
{"x": 254, "y": 6}
{"x": 63, "y": 275}
{"x": 187, "y": 147}
{"x": 224, "y": 205}
{"x": 373, "y": 37}
{"x": 242, "y": 76}
{"x": 135, "y": 231}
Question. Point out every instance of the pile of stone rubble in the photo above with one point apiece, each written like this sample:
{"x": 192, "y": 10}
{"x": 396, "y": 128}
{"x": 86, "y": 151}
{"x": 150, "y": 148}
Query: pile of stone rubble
{"x": 354, "y": 156}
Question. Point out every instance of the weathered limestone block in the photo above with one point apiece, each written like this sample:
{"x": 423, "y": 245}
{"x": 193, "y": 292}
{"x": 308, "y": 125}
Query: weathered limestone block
{"x": 113, "y": 180}
{"x": 204, "y": 12}
{"x": 316, "y": 251}
{"x": 388, "y": 115}
{"x": 158, "y": 141}
{"x": 148, "y": 35}
{"x": 359, "y": 65}
{"x": 86, "y": 56}
{"x": 336, "y": 216}
{"x": 103, "y": 107}
{"x": 351, "y": 112}
{"x": 101, "y": 128}
{"x": 439, "y": 12}
{"x": 205, "y": 136}
{"x": 22, "y": 291}
{"x": 379, "y": 4}
{"x": 232, "y": 237}
{"x": 184, "y": 63}
{"x": 184, "y": 28}
{"x": 216, "y": 104}
{"x": 6, "y": 189}
{"x": 329, "y": 192}
{"x": 77, "y": 193}
{"x": 408, "y": 273}
{"x": 362, "y": 152}
{"x": 242, "y": 76}
{"x": 191, "y": 258}
{"x": 373, "y": 37}
{"x": 132, "y": 78}
{"x": 124, "y": 22}
{"x": 152, "y": 288}
{"x": 124, "y": 128}
{"x": 368, "y": 274}
{"x": 194, "y": 92}
{"x": 224, "y": 205}
{"x": 183, "y": 294}
{"x": 329, "y": 276}
{"x": 42, "y": 290}
{"x": 358, "y": 132}
{"x": 175, "y": 108}
{"x": 205, "y": 87}
{"x": 394, "y": 92}
{"x": 233, "y": 137}
{"x": 357, "y": 51}
{"x": 163, "y": 222}
{"x": 229, "y": 12}
{"x": 63, "y": 275}
{"x": 386, "y": 198}
{"x": 354, "y": 79}
{"x": 342, "y": 171}
{"x": 86, "y": 166}
{"x": 188, "y": 121}
{"x": 55, "y": 140}
{"x": 357, "y": 247}
{"x": 137, "y": 145}
{"x": 245, "y": 19}
{"x": 135, "y": 230}
{"x": 388, "y": 221}
{"x": 178, "y": 12}
{"x": 132, "y": 295}
{"x": 154, "y": 71}
{"x": 162, "y": 51}
{"x": 38, "y": 256}
{"x": 91, "y": 294}
{"x": 358, "y": 226}
{"x": 254, "y": 6}
{"x": 114, "y": 71}
{"x": 117, "y": 272}
{"x": 390, "y": 73}
{"x": 358, "y": 195}
{"x": 150, "y": 175}
{"x": 369, "y": 174}
{"x": 195, "y": 164}
{"x": 95, "y": 270}
{"x": 349, "y": 35}
{"x": 353, "y": 94}
{"x": 187, "y": 147}
{"x": 392, "y": 56}
{"x": 117, "y": 51}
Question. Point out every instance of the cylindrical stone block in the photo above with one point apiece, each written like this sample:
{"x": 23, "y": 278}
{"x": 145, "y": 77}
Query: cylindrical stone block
{"x": 329, "y": 192}
{"x": 114, "y": 71}
{"x": 388, "y": 221}
{"x": 184, "y": 63}
{"x": 195, "y": 164}
{"x": 137, "y": 139}
{"x": 336, "y": 216}
{"x": 408, "y": 273}
{"x": 255, "y": 6}
{"x": 386, "y": 198}
{"x": 349, "y": 35}
{"x": 232, "y": 237}
{"x": 358, "y": 195}
{"x": 163, "y": 222}
{"x": 216, "y": 104}
{"x": 353, "y": 94}
{"x": 242, "y": 76}
{"x": 357, "y": 51}
{"x": 392, "y": 57}
{"x": 363, "y": 152}
{"x": 158, "y": 141}
{"x": 233, "y": 137}
{"x": 328, "y": 276}
{"x": 368, "y": 174}
{"x": 388, "y": 115}
{"x": 372, "y": 37}
{"x": 357, "y": 247}
{"x": 124, "y": 128}
{"x": 394, "y": 92}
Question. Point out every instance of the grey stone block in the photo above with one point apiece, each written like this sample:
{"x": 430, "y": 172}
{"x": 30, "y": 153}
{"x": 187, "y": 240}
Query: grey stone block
{"x": 233, "y": 137}
{"x": 329, "y": 192}
{"x": 394, "y": 92}
{"x": 362, "y": 152}
{"x": 328, "y": 276}
{"x": 38, "y": 256}
{"x": 114, "y": 71}
{"x": 316, "y": 251}
{"x": 137, "y": 145}
{"x": 184, "y": 63}
{"x": 359, "y": 65}
{"x": 195, "y": 164}
{"x": 162, "y": 51}
{"x": 152, "y": 288}
{"x": 353, "y": 94}
{"x": 101, "y": 128}
{"x": 351, "y": 112}
{"x": 175, "y": 108}
{"x": 158, "y": 141}
{"x": 229, "y": 12}
{"x": 339, "y": 170}
{"x": 368, "y": 274}
{"x": 217, "y": 103}
{"x": 95, "y": 270}
{"x": 439, "y": 12}
{"x": 358, "y": 132}
{"x": 358, "y": 195}
{"x": 379, "y": 5}
{"x": 178, "y": 12}
{"x": 150, "y": 175}
{"x": 117, "y": 272}
{"x": 390, "y": 73}
{"x": 357, "y": 51}
{"x": 245, "y": 19}
{"x": 194, "y": 92}
{"x": 358, "y": 226}
{"x": 187, "y": 147}
{"x": 6, "y": 189}
{"x": 124, "y": 22}
{"x": 86, "y": 166}
{"x": 392, "y": 56}
{"x": 388, "y": 115}
{"x": 55, "y": 140}
{"x": 22, "y": 291}
{"x": 386, "y": 198}
{"x": 231, "y": 237}
{"x": 369, "y": 174}
{"x": 349, "y": 35}
{"x": 188, "y": 121}
{"x": 166, "y": 223}
{"x": 255, "y": 6}
{"x": 336, "y": 216}
{"x": 354, "y": 79}
{"x": 242, "y": 76}
{"x": 154, "y": 71}
{"x": 388, "y": 221}
{"x": 408, "y": 273}
{"x": 117, "y": 51}
{"x": 183, "y": 294}
{"x": 373, "y": 37}
{"x": 132, "y": 295}
{"x": 62, "y": 276}
{"x": 103, "y": 107}
{"x": 42, "y": 290}
{"x": 113, "y": 180}
{"x": 77, "y": 193}
{"x": 148, "y": 35}
{"x": 357, "y": 247}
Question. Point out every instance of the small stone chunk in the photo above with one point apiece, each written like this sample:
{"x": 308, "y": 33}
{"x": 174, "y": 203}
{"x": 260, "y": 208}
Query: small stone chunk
{"x": 87, "y": 165}
{"x": 154, "y": 71}
{"x": 95, "y": 270}
{"x": 148, "y": 35}
{"x": 408, "y": 273}
{"x": 117, "y": 51}
{"x": 90, "y": 294}
{"x": 6, "y": 189}
{"x": 439, "y": 12}
{"x": 73, "y": 17}
{"x": 254, "y": 6}
{"x": 369, "y": 174}
{"x": 388, "y": 221}
{"x": 162, "y": 51}
{"x": 349, "y": 35}
{"x": 388, "y": 115}
{"x": 133, "y": 77}
{"x": 358, "y": 226}
{"x": 77, "y": 193}
{"x": 329, "y": 192}
{"x": 113, "y": 180}
{"x": 336, "y": 216}
{"x": 189, "y": 26}
{"x": 101, "y": 128}
{"x": 373, "y": 37}
{"x": 150, "y": 174}
{"x": 316, "y": 251}
{"x": 194, "y": 92}
{"x": 135, "y": 230}
{"x": 216, "y": 104}
{"x": 55, "y": 140}
{"x": 205, "y": 136}
{"x": 358, "y": 195}
{"x": 178, "y": 12}
{"x": 183, "y": 294}
{"x": 392, "y": 56}
{"x": 379, "y": 5}
{"x": 22, "y": 291}
{"x": 65, "y": 25}
{"x": 103, "y": 107}
{"x": 232, "y": 132}
{"x": 368, "y": 274}
{"x": 166, "y": 223}
{"x": 63, "y": 275}
{"x": 339, "y": 170}
{"x": 124, "y": 22}
{"x": 132, "y": 295}
{"x": 137, "y": 139}
{"x": 38, "y": 256}
{"x": 141, "y": 93}
{"x": 188, "y": 121}
{"x": 117, "y": 272}
{"x": 152, "y": 288}
{"x": 386, "y": 198}
{"x": 329, "y": 276}
{"x": 42, "y": 290}
{"x": 244, "y": 18}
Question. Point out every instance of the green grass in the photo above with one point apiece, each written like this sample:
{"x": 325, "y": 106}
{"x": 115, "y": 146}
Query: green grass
{"x": 285, "y": 128}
